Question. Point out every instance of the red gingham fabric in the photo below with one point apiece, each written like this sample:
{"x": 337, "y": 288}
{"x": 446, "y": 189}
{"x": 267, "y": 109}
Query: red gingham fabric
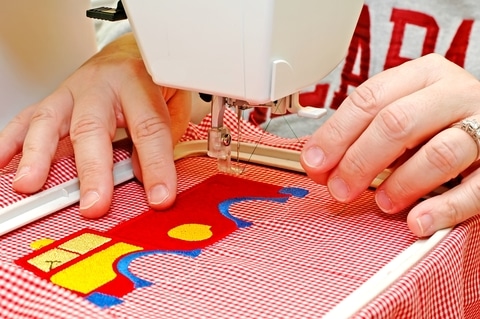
{"x": 248, "y": 133}
{"x": 446, "y": 284}
{"x": 298, "y": 260}
{"x": 25, "y": 296}
{"x": 62, "y": 170}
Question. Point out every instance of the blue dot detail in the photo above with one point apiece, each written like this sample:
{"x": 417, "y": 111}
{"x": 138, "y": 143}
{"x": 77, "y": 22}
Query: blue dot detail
{"x": 294, "y": 191}
{"x": 103, "y": 300}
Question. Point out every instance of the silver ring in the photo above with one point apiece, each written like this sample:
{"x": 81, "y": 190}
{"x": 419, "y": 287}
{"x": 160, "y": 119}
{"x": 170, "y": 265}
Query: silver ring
{"x": 472, "y": 127}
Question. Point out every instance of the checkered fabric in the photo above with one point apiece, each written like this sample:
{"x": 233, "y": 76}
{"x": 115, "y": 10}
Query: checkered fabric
{"x": 298, "y": 260}
{"x": 248, "y": 133}
{"x": 27, "y": 296}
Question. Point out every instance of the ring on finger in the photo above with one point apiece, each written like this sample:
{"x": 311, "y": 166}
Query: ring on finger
{"x": 472, "y": 128}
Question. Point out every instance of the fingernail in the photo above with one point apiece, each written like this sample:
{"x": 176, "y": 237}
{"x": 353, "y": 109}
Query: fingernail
{"x": 383, "y": 201}
{"x": 21, "y": 173}
{"x": 425, "y": 223}
{"x": 158, "y": 194}
{"x": 314, "y": 156}
{"x": 89, "y": 199}
{"x": 339, "y": 189}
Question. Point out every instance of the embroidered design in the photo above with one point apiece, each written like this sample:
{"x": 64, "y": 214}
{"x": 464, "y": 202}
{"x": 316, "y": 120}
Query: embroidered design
{"x": 95, "y": 264}
{"x": 191, "y": 232}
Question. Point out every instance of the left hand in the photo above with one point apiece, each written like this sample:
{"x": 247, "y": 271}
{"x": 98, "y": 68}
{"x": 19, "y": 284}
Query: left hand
{"x": 402, "y": 117}
{"x": 110, "y": 90}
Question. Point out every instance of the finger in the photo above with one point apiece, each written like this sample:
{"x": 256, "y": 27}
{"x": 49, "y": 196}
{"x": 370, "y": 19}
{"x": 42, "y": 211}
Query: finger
{"x": 149, "y": 126}
{"x": 48, "y": 124}
{"x": 13, "y": 135}
{"x": 471, "y": 171}
{"x": 329, "y": 143}
{"x": 444, "y": 157}
{"x": 398, "y": 128}
{"x": 92, "y": 130}
{"x": 446, "y": 210}
{"x": 180, "y": 104}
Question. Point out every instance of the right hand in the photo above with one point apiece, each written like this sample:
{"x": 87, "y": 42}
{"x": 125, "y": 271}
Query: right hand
{"x": 402, "y": 119}
{"x": 111, "y": 90}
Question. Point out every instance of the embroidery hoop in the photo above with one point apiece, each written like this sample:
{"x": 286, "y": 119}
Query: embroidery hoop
{"x": 52, "y": 200}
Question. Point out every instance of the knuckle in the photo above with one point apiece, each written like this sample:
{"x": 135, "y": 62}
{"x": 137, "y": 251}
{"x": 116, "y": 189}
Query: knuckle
{"x": 434, "y": 63}
{"x": 458, "y": 208}
{"x": 355, "y": 164}
{"x": 157, "y": 162}
{"x": 434, "y": 58}
{"x": 148, "y": 127}
{"x": 33, "y": 148}
{"x": 86, "y": 126}
{"x": 402, "y": 189}
{"x": 20, "y": 119}
{"x": 43, "y": 114}
{"x": 17, "y": 121}
{"x": 367, "y": 97}
{"x": 334, "y": 132}
{"x": 452, "y": 214}
{"x": 394, "y": 123}
{"x": 475, "y": 193}
{"x": 442, "y": 157}
{"x": 90, "y": 170}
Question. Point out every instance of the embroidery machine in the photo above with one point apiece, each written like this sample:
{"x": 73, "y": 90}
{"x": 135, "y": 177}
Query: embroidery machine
{"x": 243, "y": 54}
{"x": 240, "y": 54}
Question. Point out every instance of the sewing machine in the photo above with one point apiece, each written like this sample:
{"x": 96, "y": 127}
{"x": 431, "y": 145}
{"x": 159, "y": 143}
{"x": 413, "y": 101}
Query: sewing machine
{"x": 248, "y": 54}
{"x": 242, "y": 53}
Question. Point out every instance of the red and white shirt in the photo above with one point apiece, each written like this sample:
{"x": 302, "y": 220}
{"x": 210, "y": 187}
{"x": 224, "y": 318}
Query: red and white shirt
{"x": 390, "y": 32}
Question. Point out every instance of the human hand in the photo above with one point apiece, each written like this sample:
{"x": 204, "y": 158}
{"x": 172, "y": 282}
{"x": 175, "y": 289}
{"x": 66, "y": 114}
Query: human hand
{"x": 111, "y": 90}
{"x": 402, "y": 118}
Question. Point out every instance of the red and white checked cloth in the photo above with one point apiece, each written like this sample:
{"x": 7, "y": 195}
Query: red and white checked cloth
{"x": 298, "y": 260}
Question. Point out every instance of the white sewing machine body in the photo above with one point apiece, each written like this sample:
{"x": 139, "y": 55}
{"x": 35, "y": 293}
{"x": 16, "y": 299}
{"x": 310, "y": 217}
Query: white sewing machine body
{"x": 244, "y": 53}
{"x": 253, "y": 50}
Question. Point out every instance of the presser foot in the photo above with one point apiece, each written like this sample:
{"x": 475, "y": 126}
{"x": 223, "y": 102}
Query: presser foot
{"x": 220, "y": 139}
{"x": 230, "y": 167}
{"x": 219, "y": 147}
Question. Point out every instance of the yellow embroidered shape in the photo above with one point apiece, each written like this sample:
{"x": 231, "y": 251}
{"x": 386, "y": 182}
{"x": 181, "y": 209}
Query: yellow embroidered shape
{"x": 84, "y": 243}
{"x": 52, "y": 259}
{"x": 93, "y": 271}
{"x": 191, "y": 232}
{"x": 36, "y": 245}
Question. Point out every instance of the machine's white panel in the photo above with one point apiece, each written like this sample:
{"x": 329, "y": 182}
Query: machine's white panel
{"x": 310, "y": 37}
{"x": 183, "y": 41}
{"x": 41, "y": 43}
{"x": 255, "y": 50}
